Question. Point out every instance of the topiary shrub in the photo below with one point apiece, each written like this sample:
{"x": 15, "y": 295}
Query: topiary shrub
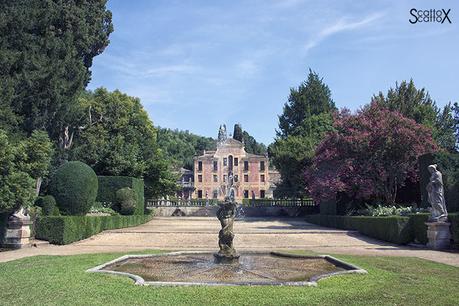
{"x": 126, "y": 201}
{"x": 74, "y": 186}
{"x": 108, "y": 185}
{"x": 48, "y": 205}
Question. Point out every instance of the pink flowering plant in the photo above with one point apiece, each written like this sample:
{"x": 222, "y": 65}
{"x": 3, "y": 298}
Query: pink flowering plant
{"x": 370, "y": 155}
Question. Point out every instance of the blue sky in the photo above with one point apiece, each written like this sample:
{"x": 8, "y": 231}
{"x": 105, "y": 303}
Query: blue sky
{"x": 197, "y": 64}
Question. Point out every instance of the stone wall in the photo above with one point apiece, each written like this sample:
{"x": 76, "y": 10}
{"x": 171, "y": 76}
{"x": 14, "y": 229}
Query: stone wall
{"x": 181, "y": 211}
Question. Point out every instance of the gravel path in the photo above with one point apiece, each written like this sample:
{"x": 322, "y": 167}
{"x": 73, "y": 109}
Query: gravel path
{"x": 200, "y": 233}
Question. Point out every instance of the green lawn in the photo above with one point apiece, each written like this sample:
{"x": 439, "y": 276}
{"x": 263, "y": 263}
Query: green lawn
{"x": 62, "y": 280}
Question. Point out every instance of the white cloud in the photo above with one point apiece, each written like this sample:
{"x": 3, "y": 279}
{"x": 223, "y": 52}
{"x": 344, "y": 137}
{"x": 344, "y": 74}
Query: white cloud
{"x": 169, "y": 69}
{"x": 340, "y": 26}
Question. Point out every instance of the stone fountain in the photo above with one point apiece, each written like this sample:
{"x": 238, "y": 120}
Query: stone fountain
{"x": 227, "y": 267}
{"x": 226, "y": 214}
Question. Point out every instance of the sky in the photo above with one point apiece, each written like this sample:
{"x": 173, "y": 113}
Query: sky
{"x": 198, "y": 64}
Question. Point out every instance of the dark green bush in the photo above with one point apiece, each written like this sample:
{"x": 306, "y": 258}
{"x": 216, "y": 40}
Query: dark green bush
{"x": 126, "y": 201}
{"x": 3, "y": 225}
{"x": 418, "y": 227}
{"x": 454, "y": 219}
{"x": 68, "y": 229}
{"x": 108, "y": 185}
{"x": 393, "y": 229}
{"x": 74, "y": 186}
{"x": 48, "y": 205}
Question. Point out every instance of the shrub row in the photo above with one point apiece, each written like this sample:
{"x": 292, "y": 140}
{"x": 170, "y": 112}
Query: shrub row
{"x": 454, "y": 219}
{"x": 68, "y": 229}
{"x": 108, "y": 185}
{"x": 419, "y": 227}
{"x": 395, "y": 229}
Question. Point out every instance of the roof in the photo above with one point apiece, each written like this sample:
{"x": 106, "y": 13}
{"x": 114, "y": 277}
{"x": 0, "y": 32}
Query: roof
{"x": 249, "y": 155}
{"x": 231, "y": 142}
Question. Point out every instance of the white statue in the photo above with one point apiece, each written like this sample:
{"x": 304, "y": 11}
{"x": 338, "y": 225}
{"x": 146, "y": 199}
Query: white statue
{"x": 436, "y": 195}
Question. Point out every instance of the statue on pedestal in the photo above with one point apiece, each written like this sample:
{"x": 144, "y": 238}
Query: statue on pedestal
{"x": 226, "y": 214}
{"x": 436, "y": 196}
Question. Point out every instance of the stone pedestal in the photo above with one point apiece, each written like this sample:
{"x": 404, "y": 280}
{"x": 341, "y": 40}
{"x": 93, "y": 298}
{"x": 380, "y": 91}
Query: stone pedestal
{"x": 226, "y": 259}
{"x": 17, "y": 234}
{"x": 439, "y": 235}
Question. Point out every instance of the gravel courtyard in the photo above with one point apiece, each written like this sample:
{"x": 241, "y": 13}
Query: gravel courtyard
{"x": 201, "y": 233}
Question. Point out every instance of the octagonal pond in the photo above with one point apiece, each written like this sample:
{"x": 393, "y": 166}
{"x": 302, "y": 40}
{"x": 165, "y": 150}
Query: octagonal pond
{"x": 253, "y": 268}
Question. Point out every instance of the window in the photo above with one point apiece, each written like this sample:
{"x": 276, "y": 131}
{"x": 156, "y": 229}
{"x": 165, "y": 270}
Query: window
{"x": 262, "y": 178}
{"x": 246, "y": 178}
{"x": 225, "y": 161}
{"x": 199, "y": 194}
{"x": 215, "y": 194}
{"x": 215, "y": 178}
{"x": 215, "y": 165}
{"x": 200, "y": 178}
{"x": 236, "y": 161}
{"x": 236, "y": 178}
{"x": 224, "y": 177}
{"x": 246, "y": 165}
{"x": 262, "y": 194}
{"x": 262, "y": 165}
{"x": 246, "y": 194}
{"x": 199, "y": 165}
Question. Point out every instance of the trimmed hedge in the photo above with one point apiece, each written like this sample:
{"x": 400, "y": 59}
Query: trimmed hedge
{"x": 126, "y": 201}
{"x": 3, "y": 225}
{"x": 74, "y": 186}
{"x": 454, "y": 219}
{"x": 68, "y": 229}
{"x": 418, "y": 227}
{"x": 48, "y": 205}
{"x": 108, "y": 185}
{"x": 393, "y": 229}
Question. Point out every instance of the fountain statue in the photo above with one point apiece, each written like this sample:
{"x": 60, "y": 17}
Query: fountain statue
{"x": 226, "y": 214}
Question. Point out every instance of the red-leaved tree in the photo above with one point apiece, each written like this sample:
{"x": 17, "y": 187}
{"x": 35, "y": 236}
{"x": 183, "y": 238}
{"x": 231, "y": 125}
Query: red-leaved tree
{"x": 371, "y": 155}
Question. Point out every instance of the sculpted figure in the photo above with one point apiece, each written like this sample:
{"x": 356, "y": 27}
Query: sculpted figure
{"x": 226, "y": 214}
{"x": 436, "y": 196}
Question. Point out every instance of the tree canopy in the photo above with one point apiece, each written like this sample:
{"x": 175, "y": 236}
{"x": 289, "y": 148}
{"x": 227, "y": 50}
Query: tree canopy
{"x": 370, "y": 155}
{"x": 418, "y": 105}
{"x": 306, "y": 119}
{"x": 182, "y": 146}
{"x": 116, "y": 137}
{"x": 237, "y": 132}
{"x": 21, "y": 164}
{"x": 46, "y": 51}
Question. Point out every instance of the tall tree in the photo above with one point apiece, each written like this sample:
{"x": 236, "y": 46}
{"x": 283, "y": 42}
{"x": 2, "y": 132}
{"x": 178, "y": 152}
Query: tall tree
{"x": 455, "y": 110}
{"x": 237, "y": 132}
{"x": 21, "y": 164}
{"x": 252, "y": 145}
{"x": 46, "y": 51}
{"x": 369, "y": 156}
{"x": 312, "y": 97}
{"x": 116, "y": 137}
{"x": 418, "y": 105}
{"x": 306, "y": 119}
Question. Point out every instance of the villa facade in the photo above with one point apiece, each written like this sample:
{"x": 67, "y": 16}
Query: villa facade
{"x": 251, "y": 173}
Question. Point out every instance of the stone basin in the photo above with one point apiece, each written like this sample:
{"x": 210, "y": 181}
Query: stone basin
{"x": 253, "y": 268}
